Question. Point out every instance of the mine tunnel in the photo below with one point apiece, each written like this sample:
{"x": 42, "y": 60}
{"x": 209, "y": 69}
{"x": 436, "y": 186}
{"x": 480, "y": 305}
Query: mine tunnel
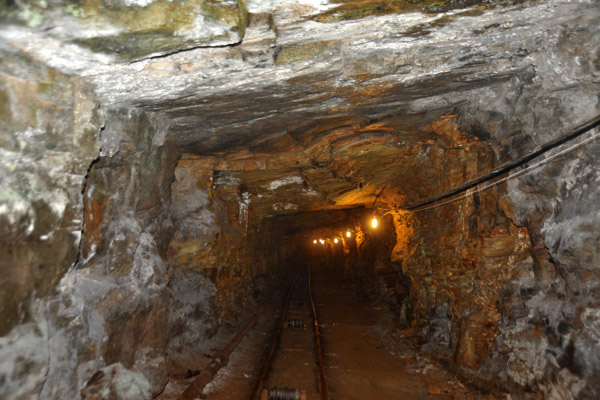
{"x": 333, "y": 199}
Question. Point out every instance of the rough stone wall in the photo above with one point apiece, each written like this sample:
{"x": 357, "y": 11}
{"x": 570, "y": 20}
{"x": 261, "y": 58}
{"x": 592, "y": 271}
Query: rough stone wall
{"x": 549, "y": 338}
{"x": 456, "y": 258}
{"x": 505, "y": 282}
{"x": 533, "y": 315}
{"x": 101, "y": 307}
{"x": 218, "y": 255}
{"x": 460, "y": 258}
{"x": 107, "y": 272}
{"x": 554, "y": 334}
{"x": 48, "y": 139}
{"x": 126, "y": 233}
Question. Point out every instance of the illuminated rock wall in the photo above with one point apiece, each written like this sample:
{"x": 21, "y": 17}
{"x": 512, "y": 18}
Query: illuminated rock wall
{"x": 220, "y": 265}
{"x": 158, "y": 159}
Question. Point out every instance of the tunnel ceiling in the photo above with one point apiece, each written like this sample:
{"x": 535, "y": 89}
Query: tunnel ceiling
{"x": 349, "y": 166}
{"x": 232, "y": 74}
{"x": 311, "y": 105}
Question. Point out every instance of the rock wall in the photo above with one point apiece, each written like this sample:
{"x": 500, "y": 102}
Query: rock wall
{"x": 222, "y": 258}
{"x": 504, "y": 283}
{"x": 48, "y": 139}
{"x": 508, "y": 285}
{"x": 459, "y": 270}
{"x": 548, "y": 339}
{"x": 126, "y": 233}
{"x": 146, "y": 261}
{"x": 91, "y": 285}
{"x": 553, "y": 333}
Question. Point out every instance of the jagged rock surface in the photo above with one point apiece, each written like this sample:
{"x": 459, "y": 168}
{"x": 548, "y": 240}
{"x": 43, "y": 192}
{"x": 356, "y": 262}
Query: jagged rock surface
{"x": 282, "y": 108}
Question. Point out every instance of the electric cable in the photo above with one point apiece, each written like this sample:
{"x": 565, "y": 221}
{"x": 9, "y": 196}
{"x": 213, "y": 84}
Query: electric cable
{"x": 515, "y": 175}
{"x": 509, "y": 166}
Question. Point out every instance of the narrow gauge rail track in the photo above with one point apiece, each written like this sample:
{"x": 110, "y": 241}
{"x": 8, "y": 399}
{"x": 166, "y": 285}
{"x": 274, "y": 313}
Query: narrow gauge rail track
{"x": 221, "y": 358}
{"x": 290, "y": 370}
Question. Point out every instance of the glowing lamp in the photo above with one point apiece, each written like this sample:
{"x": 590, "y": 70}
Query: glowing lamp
{"x": 315, "y": 241}
{"x": 374, "y": 222}
{"x": 335, "y": 240}
{"x": 322, "y": 241}
{"x": 348, "y": 234}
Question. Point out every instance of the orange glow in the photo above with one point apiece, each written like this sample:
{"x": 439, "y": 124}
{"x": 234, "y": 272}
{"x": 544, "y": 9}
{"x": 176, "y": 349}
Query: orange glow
{"x": 335, "y": 240}
{"x": 374, "y": 222}
{"x": 322, "y": 241}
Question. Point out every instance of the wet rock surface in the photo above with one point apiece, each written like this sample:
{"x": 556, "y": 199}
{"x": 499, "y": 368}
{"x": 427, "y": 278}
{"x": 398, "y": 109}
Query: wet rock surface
{"x": 49, "y": 127}
{"x": 311, "y": 72}
{"x": 161, "y": 163}
{"x": 116, "y": 382}
{"x": 134, "y": 29}
{"x": 561, "y": 299}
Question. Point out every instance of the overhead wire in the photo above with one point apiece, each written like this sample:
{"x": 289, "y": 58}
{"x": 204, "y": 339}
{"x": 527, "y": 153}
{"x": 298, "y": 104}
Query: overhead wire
{"x": 515, "y": 175}
{"x": 507, "y": 167}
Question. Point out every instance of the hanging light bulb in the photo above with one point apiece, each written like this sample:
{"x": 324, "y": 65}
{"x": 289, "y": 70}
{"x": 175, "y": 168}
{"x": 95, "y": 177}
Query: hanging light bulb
{"x": 322, "y": 241}
{"x": 374, "y": 222}
{"x": 315, "y": 241}
{"x": 335, "y": 240}
{"x": 348, "y": 234}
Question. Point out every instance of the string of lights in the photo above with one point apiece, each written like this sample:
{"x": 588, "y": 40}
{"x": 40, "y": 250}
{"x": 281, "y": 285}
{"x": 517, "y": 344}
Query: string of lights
{"x": 348, "y": 234}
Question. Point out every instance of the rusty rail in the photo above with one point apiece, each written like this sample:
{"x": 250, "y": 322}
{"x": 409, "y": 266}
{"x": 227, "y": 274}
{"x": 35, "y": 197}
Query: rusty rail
{"x": 322, "y": 379}
{"x": 271, "y": 349}
{"x": 221, "y": 358}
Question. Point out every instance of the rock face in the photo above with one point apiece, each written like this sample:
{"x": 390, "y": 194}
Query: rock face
{"x": 218, "y": 260}
{"x": 163, "y": 162}
{"x": 49, "y": 128}
{"x": 50, "y": 124}
{"x": 562, "y": 300}
{"x": 126, "y": 232}
{"x": 116, "y": 382}
{"x": 112, "y": 294}
{"x": 133, "y": 29}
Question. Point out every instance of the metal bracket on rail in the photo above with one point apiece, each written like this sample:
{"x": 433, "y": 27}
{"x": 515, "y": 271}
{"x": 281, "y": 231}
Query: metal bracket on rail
{"x": 296, "y": 323}
{"x": 276, "y": 393}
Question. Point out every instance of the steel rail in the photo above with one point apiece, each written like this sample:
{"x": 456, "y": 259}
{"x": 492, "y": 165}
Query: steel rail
{"x": 271, "y": 349}
{"x": 221, "y": 358}
{"x": 322, "y": 378}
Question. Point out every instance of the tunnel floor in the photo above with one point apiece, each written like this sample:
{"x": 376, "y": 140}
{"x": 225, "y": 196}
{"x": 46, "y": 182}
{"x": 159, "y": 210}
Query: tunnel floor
{"x": 360, "y": 361}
